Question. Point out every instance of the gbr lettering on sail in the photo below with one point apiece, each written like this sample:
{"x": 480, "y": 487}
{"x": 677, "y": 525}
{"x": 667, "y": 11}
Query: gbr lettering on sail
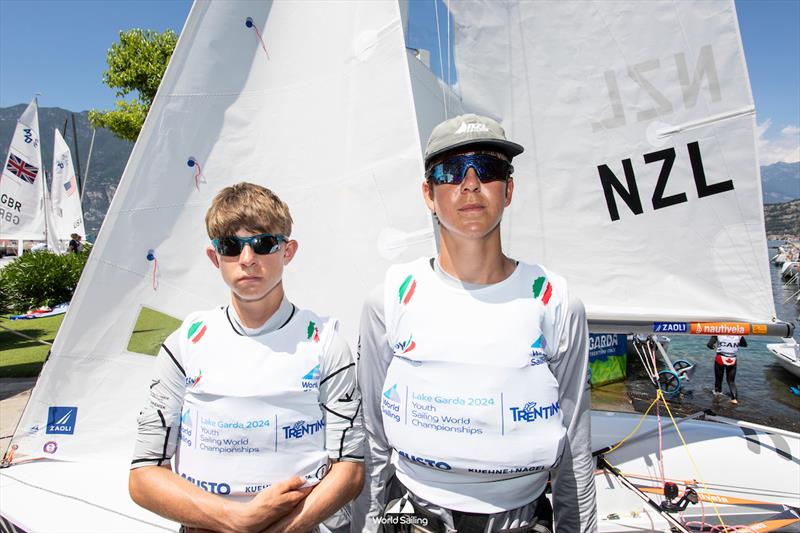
{"x": 630, "y": 181}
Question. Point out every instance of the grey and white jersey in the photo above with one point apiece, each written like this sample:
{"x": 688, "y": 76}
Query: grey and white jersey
{"x": 338, "y": 394}
{"x": 572, "y": 480}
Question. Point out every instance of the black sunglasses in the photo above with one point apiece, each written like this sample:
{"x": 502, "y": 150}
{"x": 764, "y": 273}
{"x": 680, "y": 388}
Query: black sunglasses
{"x": 262, "y": 244}
{"x": 453, "y": 169}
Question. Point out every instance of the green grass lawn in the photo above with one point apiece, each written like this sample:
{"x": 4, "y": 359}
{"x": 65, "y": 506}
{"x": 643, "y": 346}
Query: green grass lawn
{"x": 21, "y": 357}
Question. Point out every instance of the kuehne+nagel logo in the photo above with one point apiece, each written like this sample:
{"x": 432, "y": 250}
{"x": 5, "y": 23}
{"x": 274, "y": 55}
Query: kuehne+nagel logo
{"x": 311, "y": 380}
{"x": 530, "y": 413}
{"x": 61, "y": 420}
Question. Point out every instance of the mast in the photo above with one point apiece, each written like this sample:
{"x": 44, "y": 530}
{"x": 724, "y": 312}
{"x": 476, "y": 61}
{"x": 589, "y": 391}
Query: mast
{"x": 77, "y": 155}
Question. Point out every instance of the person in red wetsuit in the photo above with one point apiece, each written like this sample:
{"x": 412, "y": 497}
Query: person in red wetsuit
{"x": 727, "y": 346}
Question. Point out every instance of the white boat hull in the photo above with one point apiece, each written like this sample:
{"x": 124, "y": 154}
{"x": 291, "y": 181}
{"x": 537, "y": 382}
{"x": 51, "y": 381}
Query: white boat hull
{"x": 786, "y": 355}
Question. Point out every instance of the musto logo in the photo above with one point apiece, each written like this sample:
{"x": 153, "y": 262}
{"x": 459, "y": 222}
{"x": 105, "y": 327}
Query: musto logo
{"x": 300, "y": 429}
{"x": 433, "y": 463}
{"x": 531, "y": 413}
{"x": 61, "y": 420}
{"x": 214, "y": 487}
{"x": 390, "y": 403}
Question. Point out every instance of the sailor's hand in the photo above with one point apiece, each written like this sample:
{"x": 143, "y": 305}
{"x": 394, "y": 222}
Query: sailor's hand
{"x": 272, "y": 504}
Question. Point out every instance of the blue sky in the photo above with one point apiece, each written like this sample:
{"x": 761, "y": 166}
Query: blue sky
{"x": 63, "y": 54}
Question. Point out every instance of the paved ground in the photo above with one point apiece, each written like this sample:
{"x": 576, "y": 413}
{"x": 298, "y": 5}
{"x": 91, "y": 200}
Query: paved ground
{"x": 14, "y": 394}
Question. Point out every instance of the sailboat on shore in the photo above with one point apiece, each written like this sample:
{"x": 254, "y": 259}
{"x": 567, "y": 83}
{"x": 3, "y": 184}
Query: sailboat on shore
{"x": 639, "y": 184}
{"x": 22, "y": 183}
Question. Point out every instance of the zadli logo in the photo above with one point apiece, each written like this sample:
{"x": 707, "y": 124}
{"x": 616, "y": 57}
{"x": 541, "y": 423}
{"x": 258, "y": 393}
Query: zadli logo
{"x": 61, "y": 420}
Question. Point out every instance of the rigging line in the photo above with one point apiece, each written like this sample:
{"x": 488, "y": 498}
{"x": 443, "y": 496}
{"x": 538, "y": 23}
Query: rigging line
{"x": 449, "y": 51}
{"x": 439, "y": 46}
{"x": 15, "y": 332}
{"x": 689, "y": 453}
{"x": 87, "y": 502}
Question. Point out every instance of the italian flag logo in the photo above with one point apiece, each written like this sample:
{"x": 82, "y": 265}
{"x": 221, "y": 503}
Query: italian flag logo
{"x": 196, "y": 331}
{"x": 312, "y": 331}
{"x": 407, "y": 289}
{"x": 542, "y": 288}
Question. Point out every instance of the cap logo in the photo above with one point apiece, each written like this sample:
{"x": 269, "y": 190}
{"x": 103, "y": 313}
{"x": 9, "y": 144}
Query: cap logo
{"x": 472, "y": 128}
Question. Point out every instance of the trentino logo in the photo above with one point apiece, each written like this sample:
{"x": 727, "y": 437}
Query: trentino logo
{"x": 196, "y": 331}
{"x": 311, "y": 380}
{"x": 405, "y": 346}
{"x": 391, "y": 393}
{"x": 407, "y": 289}
{"x": 192, "y": 381}
{"x": 312, "y": 332}
{"x": 300, "y": 429}
{"x": 470, "y": 127}
{"x": 531, "y": 413}
{"x": 61, "y": 420}
{"x": 538, "y": 355}
{"x": 541, "y": 287}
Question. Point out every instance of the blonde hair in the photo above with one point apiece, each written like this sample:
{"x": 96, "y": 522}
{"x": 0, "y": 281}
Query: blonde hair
{"x": 249, "y": 207}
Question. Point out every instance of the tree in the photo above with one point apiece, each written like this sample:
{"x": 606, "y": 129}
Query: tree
{"x": 135, "y": 64}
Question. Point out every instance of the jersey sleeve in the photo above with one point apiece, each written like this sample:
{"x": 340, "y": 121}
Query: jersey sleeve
{"x": 160, "y": 420}
{"x": 340, "y": 399}
{"x": 374, "y": 356}
{"x": 574, "y": 496}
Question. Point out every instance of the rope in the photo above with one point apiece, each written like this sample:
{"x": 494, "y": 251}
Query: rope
{"x": 439, "y": 45}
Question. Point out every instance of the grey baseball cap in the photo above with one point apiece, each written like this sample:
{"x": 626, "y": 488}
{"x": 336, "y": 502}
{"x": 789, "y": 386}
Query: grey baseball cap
{"x": 468, "y": 129}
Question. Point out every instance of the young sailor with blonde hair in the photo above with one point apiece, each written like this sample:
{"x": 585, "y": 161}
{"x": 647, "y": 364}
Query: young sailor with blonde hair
{"x": 257, "y": 399}
{"x": 473, "y": 365}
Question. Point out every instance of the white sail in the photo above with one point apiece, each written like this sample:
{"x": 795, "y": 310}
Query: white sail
{"x": 640, "y": 181}
{"x": 22, "y": 181}
{"x": 64, "y": 194}
{"x": 324, "y": 116}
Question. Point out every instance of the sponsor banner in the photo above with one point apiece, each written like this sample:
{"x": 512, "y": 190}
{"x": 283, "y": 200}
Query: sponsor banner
{"x": 670, "y": 327}
{"x": 720, "y": 328}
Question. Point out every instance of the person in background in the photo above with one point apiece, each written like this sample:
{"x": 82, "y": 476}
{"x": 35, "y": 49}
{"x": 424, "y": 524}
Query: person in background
{"x": 473, "y": 365}
{"x": 727, "y": 347}
{"x": 75, "y": 245}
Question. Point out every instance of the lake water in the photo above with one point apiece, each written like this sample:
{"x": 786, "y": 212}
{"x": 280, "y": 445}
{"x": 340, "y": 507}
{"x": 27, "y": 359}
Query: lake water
{"x": 763, "y": 385}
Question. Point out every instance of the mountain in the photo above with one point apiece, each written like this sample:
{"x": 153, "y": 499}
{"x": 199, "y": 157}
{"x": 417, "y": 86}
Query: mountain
{"x": 109, "y": 155}
{"x": 782, "y": 220}
{"x": 780, "y": 182}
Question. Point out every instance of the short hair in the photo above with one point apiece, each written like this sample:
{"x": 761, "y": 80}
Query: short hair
{"x": 249, "y": 207}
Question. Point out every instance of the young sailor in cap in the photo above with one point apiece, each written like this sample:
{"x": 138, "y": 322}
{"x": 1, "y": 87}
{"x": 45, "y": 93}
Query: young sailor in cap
{"x": 473, "y": 365}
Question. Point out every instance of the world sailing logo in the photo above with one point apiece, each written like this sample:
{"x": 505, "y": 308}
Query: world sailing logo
{"x": 538, "y": 355}
{"x": 541, "y": 287}
{"x": 196, "y": 331}
{"x": 407, "y": 289}
{"x": 391, "y": 393}
{"x": 311, "y": 380}
{"x": 312, "y": 332}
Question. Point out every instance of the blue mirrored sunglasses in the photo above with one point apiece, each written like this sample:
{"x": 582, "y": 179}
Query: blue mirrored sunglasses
{"x": 453, "y": 169}
{"x": 262, "y": 244}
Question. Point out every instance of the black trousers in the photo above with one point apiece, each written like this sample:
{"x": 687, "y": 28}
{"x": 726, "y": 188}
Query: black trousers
{"x": 730, "y": 376}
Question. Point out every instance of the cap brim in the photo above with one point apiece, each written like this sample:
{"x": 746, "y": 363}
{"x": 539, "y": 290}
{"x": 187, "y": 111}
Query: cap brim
{"x": 509, "y": 148}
